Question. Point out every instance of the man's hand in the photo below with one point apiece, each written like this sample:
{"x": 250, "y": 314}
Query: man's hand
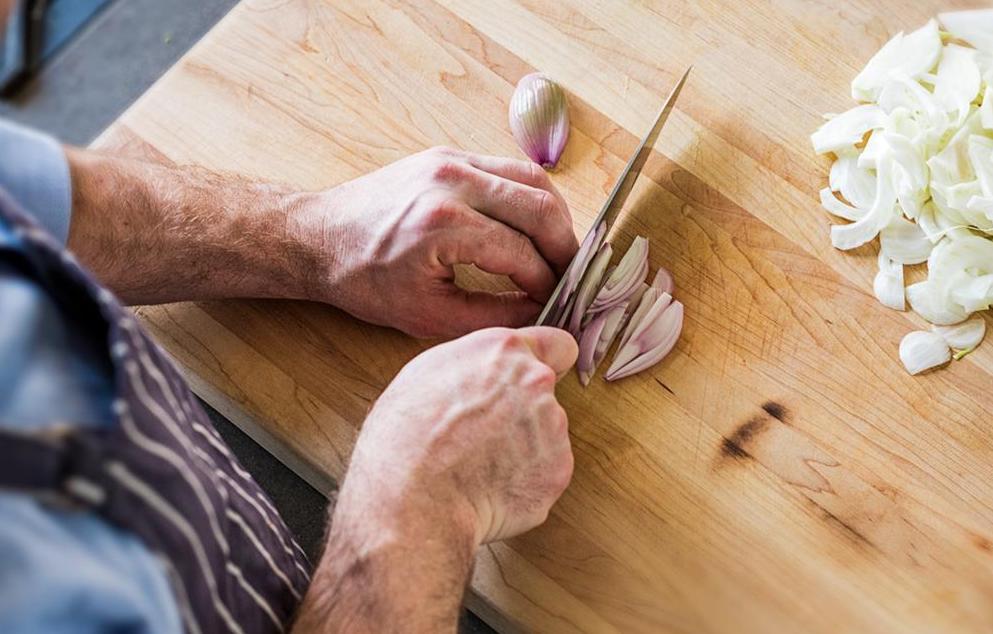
{"x": 467, "y": 445}
{"x": 385, "y": 244}
{"x": 381, "y": 247}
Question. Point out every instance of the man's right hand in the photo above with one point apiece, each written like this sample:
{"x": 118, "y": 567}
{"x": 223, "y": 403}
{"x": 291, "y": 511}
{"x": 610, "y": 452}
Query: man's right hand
{"x": 472, "y": 428}
{"x": 466, "y": 446}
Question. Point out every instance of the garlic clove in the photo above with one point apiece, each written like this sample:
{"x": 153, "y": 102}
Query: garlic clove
{"x": 653, "y": 344}
{"x": 539, "y": 119}
{"x": 921, "y": 350}
{"x": 964, "y": 336}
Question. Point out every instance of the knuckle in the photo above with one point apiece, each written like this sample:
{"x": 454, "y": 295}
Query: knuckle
{"x": 545, "y": 208}
{"x": 442, "y": 213}
{"x": 446, "y": 170}
{"x": 443, "y": 150}
{"x": 538, "y": 176}
{"x": 542, "y": 378}
{"x": 522, "y": 249}
{"x": 508, "y": 340}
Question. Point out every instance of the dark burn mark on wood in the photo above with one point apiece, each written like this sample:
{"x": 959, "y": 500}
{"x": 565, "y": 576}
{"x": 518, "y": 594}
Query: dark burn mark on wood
{"x": 853, "y": 533}
{"x": 982, "y": 543}
{"x": 731, "y": 450}
{"x": 665, "y": 387}
{"x": 774, "y": 409}
{"x": 736, "y": 445}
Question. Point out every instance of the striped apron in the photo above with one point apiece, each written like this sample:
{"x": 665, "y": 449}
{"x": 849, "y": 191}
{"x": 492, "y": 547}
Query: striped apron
{"x": 161, "y": 471}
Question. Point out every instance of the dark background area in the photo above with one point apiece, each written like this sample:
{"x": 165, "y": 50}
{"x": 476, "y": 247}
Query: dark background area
{"x": 98, "y": 57}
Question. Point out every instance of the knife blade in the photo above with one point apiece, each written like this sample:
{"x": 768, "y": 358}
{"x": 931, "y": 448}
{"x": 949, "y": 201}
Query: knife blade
{"x": 615, "y": 201}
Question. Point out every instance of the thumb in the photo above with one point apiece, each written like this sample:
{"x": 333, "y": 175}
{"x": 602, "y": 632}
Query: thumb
{"x": 554, "y": 347}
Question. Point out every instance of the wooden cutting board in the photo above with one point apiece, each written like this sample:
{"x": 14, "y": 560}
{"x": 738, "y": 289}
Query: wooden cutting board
{"x": 779, "y": 472}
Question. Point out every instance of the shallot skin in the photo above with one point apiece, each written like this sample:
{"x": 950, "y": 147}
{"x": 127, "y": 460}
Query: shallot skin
{"x": 539, "y": 119}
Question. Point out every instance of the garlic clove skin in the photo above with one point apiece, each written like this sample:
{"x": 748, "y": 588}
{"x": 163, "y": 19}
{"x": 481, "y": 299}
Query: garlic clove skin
{"x": 539, "y": 119}
{"x": 921, "y": 350}
{"x": 964, "y": 336}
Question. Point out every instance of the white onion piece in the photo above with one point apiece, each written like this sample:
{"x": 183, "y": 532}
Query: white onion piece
{"x": 903, "y": 241}
{"x": 930, "y": 302}
{"x": 835, "y": 207}
{"x": 964, "y": 336}
{"x": 903, "y": 56}
{"x": 856, "y": 234}
{"x": 910, "y": 173}
{"x": 871, "y": 153}
{"x": 986, "y": 109}
{"x": 980, "y": 152}
{"x": 888, "y": 285}
{"x": 921, "y": 350}
{"x": 974, "y": 27}
{"x": 843, "y": 131}
{"x": 958, "y": 80}
{"x": 856, "y": 185}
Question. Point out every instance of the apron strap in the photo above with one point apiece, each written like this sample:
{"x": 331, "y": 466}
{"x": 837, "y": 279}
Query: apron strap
{"x": 59, "y": 466}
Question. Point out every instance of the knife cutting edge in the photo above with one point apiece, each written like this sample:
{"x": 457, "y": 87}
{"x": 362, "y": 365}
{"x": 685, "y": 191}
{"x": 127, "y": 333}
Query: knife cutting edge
{"x": 615, "y": 201}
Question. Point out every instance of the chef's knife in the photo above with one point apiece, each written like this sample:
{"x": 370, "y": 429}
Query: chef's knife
{"x": 616, "y": 199}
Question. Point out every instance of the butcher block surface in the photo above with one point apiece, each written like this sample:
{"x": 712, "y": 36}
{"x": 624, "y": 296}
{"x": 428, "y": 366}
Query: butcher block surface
{"x": 779, "y": 471}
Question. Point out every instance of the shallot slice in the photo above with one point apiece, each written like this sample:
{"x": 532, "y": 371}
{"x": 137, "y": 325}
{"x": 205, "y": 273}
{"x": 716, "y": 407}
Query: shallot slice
{"x": 596, "y": 340}
{"x": 588, "y": 287}
{"x": 653, "y": 339}
{"x": 626, "y": 277}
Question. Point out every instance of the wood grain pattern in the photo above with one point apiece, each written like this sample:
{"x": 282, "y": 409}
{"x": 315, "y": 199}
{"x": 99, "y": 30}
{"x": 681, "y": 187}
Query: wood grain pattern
{"x": 779, "y": 471}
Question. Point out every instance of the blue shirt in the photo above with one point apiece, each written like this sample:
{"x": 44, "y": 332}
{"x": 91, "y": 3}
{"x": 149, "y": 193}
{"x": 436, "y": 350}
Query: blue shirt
{"x": 60, "y": 571}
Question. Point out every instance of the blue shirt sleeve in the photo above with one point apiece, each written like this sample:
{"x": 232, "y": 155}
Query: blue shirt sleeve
{"x": 63, "y": 572}
{"x": 35, "y": 172}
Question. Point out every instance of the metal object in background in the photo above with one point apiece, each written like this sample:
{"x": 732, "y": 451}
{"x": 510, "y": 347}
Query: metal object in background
{"x": 35, "y": 30}
{"x": 22, "y": 44}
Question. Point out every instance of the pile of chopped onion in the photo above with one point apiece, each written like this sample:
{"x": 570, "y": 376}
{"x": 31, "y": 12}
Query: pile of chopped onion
{"x": 914, "y": 166}
{"x": 607, "y": 303}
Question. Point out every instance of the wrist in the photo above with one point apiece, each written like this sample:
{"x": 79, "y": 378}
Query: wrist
{"x": 389, "y": 564}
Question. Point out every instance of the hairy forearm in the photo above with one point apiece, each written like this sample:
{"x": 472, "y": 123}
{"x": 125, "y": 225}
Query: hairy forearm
{"x": 389, "y": 566}
{"x": 155, "y": 234}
